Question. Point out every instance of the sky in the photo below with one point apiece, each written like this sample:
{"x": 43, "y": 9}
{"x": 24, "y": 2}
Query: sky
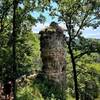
{"x": 91, "y": 33}
{"x": 87, "y": 32}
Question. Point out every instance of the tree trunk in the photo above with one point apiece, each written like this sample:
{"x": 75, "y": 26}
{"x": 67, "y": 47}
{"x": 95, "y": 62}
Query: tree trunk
{"x": 74, "y": 70}
{"x": 15, "y": 3}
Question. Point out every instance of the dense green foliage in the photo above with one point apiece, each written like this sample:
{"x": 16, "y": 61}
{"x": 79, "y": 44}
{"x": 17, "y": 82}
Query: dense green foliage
{"x": 88, "y": 73}
{"x": 77, "y": 15}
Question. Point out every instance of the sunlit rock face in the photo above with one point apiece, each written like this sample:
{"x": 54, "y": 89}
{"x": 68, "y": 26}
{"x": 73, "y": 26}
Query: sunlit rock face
{"x": 53, "y": 54}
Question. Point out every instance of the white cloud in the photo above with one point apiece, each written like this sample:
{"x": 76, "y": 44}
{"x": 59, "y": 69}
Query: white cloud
{"x": 87, "y": 32}
{"x": 91, "y": 33}
{"x": 38, "y": 27}
{"x": 63, "y": 26}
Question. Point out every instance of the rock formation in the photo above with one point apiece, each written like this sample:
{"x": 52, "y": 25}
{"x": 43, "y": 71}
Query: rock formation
{"x": 54, "y": 56}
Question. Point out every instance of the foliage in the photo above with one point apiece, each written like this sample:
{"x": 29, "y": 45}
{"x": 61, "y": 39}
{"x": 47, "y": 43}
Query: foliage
{"x": 88, "y": 76}
{"x": 77, "y": 15}
{"x": 48, "y": 88}
{"x": 25, "y": 93}
{"x": 28, "y": 54}
{"x": 24, "y": 23}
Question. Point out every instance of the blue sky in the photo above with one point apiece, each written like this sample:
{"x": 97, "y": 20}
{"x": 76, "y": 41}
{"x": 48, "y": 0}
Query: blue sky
{"x": 91, "y": 33}
{"x": 87, "y": 32}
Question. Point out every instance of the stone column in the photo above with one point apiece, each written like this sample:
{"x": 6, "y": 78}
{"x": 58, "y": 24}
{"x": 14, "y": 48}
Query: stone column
{"x": 54, "y": 57}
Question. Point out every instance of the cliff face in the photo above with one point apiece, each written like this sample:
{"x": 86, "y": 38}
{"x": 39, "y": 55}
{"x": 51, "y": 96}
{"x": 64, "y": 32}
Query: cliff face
{"x": 53, "y": 55}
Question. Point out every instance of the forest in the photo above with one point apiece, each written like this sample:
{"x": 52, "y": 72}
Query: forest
{"x": 54, "y": 63}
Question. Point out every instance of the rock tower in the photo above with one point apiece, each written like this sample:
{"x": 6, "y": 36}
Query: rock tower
{"x": 54, "y": 56}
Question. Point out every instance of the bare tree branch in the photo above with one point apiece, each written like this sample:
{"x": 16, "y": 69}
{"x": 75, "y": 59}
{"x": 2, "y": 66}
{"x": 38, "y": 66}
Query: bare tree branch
{"x": 82, "y": 23}
{"x": 92, "y": 19}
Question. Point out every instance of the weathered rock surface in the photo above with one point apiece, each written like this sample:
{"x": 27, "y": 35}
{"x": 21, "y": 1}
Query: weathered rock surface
{"x": 54, "y": 62}
{"x": 53, "y": 55}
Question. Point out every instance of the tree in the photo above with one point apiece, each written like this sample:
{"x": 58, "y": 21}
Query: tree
{"x": 88, "y": 76}
{"x": 76, "y": 15}
{"x": 15, "y": 20}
